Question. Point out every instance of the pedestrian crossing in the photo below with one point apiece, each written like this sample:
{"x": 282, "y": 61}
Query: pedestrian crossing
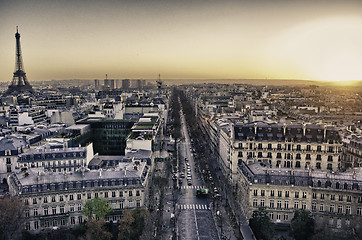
{"x": 193, "y": 206}
{"x": 191, "y": 187}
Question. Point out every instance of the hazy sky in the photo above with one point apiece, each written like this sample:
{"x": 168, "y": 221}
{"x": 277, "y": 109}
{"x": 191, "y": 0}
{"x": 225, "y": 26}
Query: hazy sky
{"x": 60, "y": 39}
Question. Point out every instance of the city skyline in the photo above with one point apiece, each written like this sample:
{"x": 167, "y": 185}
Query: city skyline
{"x": 188, "y": 39}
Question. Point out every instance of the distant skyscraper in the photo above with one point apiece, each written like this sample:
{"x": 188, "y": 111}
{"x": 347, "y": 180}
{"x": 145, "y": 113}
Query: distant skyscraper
{"x": 19, "y": 83}
{"x": 96, "y": 84}
{"x": 125, "y": 83}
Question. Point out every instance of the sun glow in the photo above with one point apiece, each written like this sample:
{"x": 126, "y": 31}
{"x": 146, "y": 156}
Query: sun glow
{"x": 328, "y": 49}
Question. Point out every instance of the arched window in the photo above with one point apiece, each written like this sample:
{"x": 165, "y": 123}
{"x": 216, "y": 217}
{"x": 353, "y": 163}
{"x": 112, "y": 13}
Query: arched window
{"x": 337, "y": 185}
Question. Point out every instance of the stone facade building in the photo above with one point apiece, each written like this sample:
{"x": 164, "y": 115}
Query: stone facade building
{"x": 55, "y": 199}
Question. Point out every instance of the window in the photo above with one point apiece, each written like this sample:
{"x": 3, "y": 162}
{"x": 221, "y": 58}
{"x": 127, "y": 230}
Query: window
{"x": 262, "y": 193}
{"x": 340, "y": 198}
{"x": 297, "y": 156}
{"x": 71, "y": 197}
{"x": 130, "y": 193}
{"x": 35, "y": 212}
{"x": 46, "y": 211}
{"x": 279, "y": 155}
{"x": 286, "y": 216}
{"x": 286, "y": 193}
{"x": 296, "y": 205}
{"x": 34, "y": 201}
{"x": 79, "y": 196}
{"x": 26, "y": 201}
{"x": 321, "y": 208}
{"x": 27, "y": 214}
{"x": 114, "y": 194}
{"x": 36, "y": 225}
{"x": 96, "y": 195}
{"x": 286, "y": 204}
{"x": 138, "y": 203}
{"x": 53, "y": 198}
{"x": 279, "y": 193}
{"x": 79, "y": 207}
{"x": 262, "y": 203}
{"x": 331, "y": 208}
{"x": 349, "y": 198}
{"x": 54, "y": 210}
{"x": 272, "y": 193}
{"x": 298, "y": 147}
{"x": 61, "y": 209}
{"x": 72, "y": 220}
{"x": 62, "y": 221}
{"x": 318, "y": 165}
{"x": 255, "y": 192}
{"x": 319, "y": 157}
{"x": 333, "y": 197}
{"x": 278, "y": 216}
{"x": 307, "y": 156}
{"x": 45, "y": 199}
{"x": 304, "y": 194}
{"x": 296, "y": 195}
{"x": 359, "y": 199}
{"x": 304, "y": 205}
{"x": 271, "y": 203}
{"x": 279, "y": 147}
{"x": 260, "y": 154}
{"x": 314, "y": 206}
{"x": 8, "y": 161}
{"x": 359, "y": 211}
{"x": 348, "y": 210}
{"x": 279, "y": 204}
{"x": 340, "y": 209}
{"x": 71, "y": 208}
{"x": 121, "y": 194}
{"x": 80, "y": 219}
{"x": 269, "y": 155}
{"x": 121, "y": 205}
{"x": 130, "y": 204}
{"x": 27, "y": 226}
{"x": 255, "y": 203}
{"x": 269, "y": 146}
{"x": 322, "y": 195}
{"x": 46, "y": 223}
{"x": 329, "y": 166}
{"x": 308, "y": 148}
{"x": 61, "y": 199}
{"x": 240, "y": 154}
{"x": 319, "y": 148}
{"x": 106, "y": 194}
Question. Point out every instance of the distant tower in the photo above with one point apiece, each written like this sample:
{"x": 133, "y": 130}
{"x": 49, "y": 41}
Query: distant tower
{"x": 19, "y": 83}
{"x": 159, "y": 82}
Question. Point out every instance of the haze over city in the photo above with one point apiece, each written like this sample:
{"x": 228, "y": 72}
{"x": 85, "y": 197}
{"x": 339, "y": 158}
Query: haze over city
{"x": 314, "y": 40}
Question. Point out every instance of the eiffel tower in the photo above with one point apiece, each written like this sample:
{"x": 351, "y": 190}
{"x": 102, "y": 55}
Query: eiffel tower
{"x": 20, "y": 83}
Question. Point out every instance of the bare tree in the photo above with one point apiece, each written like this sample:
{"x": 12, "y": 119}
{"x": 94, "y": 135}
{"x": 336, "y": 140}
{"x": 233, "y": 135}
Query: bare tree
{"x": 11, "y": 218}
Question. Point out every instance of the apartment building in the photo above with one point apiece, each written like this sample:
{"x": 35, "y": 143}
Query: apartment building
{"x": 334, "y": 199}
{"x": 298, "y": 146}
{"x": 54, "y": 199}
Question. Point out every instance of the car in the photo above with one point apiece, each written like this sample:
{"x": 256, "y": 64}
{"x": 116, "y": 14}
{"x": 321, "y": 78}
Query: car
{"x": 189, "y": 182}
{"x": 180, "y": 180}
{"x": 211, "y": 179}
{"x": 187, "y": 164}
{"x": 215, "y": 190}
{"x": 182, "y": 175}
{"x": 189, "y": 178}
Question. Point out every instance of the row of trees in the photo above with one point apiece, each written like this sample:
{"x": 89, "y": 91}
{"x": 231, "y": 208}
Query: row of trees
{"x": 301, "y": 226}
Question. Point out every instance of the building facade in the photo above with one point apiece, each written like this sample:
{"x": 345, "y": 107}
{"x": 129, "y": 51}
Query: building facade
{"x": 334, "y": 199}
{"x": 55, "y": 200}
